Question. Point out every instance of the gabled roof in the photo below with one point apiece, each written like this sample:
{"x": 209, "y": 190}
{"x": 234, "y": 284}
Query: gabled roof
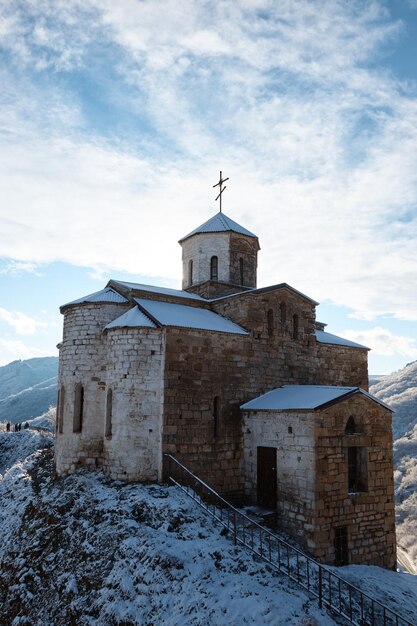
{"x": 304, "y": 397}
{"x": 105, "y": 295}
{"x": 165, "y": 291}
{"x": 217, "y": 224}
{"x": 170, "y": 314}
{"x": 261, "y": 290}
{"x": 131, "y": 319}
{"x": 324, "y": 337}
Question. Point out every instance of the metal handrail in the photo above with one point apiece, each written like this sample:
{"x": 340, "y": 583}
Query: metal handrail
{"x": 331, "y": 590}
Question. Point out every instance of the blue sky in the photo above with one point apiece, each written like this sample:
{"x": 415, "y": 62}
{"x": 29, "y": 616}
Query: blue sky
{"x": 115, "y": 119}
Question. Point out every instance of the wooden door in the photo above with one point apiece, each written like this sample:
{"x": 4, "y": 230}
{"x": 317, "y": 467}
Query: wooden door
{"x": 267, "y": 477}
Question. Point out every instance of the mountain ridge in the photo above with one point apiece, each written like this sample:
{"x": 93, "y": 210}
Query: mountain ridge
{"x": 27, "y": 388}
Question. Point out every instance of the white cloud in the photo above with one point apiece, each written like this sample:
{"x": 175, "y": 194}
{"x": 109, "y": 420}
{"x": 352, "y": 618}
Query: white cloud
{"x": 319, "y": 147}
{"x": 11, "y": 350}
{"x": 20, "y": 322}
{"x": 383, "y": 342}
{"x": 15, "y": 268}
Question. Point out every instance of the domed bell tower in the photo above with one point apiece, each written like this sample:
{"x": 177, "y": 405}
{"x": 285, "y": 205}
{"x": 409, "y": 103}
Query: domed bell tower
{"x": 220, "y": 257}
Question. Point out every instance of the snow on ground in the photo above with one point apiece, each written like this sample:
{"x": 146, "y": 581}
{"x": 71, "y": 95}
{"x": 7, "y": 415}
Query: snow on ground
{"x": 90, "y": 551}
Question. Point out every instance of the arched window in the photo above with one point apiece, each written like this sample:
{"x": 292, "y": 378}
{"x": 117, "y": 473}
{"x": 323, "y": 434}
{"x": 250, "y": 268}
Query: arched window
{"x": 78, "y": 408}
{"x": 270, "y": 316}
{"x": 241, "y": 277}
{"x": 295, "y": 326}
{"x": 109, "y": 413}
{"x": 216, "y": 416}
{"x": 350, "y": 426}
{"x": 214, "y": 268}
{"x": 60, "y": 409}
{"x": 283, "y": 314}
{"x": 190, "y": 272}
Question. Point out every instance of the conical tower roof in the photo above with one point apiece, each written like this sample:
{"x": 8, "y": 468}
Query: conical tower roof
{"x": 217, "y": 224}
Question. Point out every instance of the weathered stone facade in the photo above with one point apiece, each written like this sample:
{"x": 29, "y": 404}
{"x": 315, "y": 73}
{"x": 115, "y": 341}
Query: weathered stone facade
{"x": 146, "y": 371}
{"x": 313, "y": 495}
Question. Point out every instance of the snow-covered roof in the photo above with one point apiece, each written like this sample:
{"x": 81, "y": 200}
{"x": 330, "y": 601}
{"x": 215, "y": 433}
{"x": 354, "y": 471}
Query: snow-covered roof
{"x": 104, "y": 295}
{"x": 132, "y": 318}
{"x": 324, "y": 337}
{"x": 217, "y": 224}
{"x": 165, "y": 291}
{"x": 169, "y": 314}
{"x": 303, "y": 397}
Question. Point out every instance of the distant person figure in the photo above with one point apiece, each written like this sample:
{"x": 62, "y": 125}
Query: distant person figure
{"x": 15, "y": 428}
{"x": 27, "y": 425}
{"x": 19, "y": 428}
{"x": 8, "y": 427}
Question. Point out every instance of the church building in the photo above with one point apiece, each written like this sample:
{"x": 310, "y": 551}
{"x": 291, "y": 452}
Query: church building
{"x": 241, "y": 385}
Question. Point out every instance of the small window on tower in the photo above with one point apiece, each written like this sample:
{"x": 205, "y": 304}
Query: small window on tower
{"x": 295, "y": 330}
{"x": 241, "y": 271}
{"x": 214, "y": 268}
{"x": 283, "y": 314}
{"x": 190, "y": 273}
{"x": 270, "y": 315}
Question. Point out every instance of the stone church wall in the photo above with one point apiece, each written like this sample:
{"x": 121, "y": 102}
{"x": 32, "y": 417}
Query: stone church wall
{"x": 292, "y": 435}
{"x": 313, "y": 497}
{"x": 341, "y": 365}
{"x": 199, "y": 367}
{"x": 245, "y": 248}
{"x": 369, "y": 516}
{"x": 302, "y": 361}
{"x": 199, "y": 249}
{"x": 82, "y": 361}
{"x": 135, "y": 376}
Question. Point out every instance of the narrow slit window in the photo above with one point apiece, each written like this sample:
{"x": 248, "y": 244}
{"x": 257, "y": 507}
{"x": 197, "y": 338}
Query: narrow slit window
{"x": 283, "y": 314}
{"x": 78, "y": 408}
{"x": 216, "y": 416}
{"x": 214, "y": 268}
{"x": 270, "y": 316}
{"x": 295, "y": 329}
{"x": 190, "y": 272}
{"x": 109, "y": 413}
{"x": 357, "y": 473}
{"x": 241, "y": 276}
{"x": 60, "y": 409}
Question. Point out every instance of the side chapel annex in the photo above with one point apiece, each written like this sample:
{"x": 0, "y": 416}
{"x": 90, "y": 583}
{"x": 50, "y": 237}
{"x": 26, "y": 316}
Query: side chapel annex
{"x": 243, "y": 386}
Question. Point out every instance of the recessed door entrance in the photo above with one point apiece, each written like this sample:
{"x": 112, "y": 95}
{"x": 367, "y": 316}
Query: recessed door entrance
{"x": 267, "y": 477}
{"x": 341, "y": 546}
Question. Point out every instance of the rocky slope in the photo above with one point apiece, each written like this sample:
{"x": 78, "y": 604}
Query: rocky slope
{"x": 88, "y": 550}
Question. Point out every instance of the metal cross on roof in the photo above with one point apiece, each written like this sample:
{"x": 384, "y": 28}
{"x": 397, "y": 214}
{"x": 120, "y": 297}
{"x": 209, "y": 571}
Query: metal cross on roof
{"x": 221, "y": 189}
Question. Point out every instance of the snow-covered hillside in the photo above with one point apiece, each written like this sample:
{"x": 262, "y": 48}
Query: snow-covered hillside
{"x": 86, "y": 550}
{"x": 399, "y": 390}
{"x": 27, "y": 388}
